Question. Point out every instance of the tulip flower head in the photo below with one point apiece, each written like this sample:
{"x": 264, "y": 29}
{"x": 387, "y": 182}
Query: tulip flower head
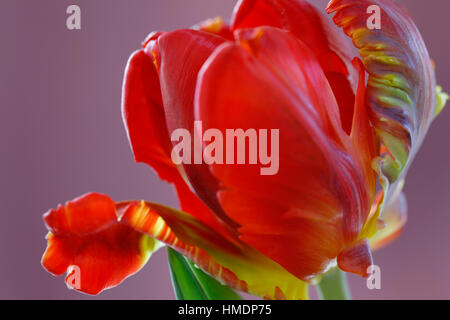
{"x": 350, "y": 106}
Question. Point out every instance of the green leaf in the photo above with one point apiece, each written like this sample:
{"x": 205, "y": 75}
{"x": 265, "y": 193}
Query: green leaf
{"x": 191, "y": 283}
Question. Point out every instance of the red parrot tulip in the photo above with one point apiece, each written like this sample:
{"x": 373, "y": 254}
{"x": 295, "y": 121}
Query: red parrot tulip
{"x": 348, "y": 126}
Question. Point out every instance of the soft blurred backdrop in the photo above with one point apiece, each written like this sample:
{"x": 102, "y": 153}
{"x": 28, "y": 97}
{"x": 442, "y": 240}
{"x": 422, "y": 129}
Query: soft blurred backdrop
{"x": 61, "y": 135}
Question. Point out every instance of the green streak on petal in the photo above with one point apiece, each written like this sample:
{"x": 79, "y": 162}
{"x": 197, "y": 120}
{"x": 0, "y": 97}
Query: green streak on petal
{"x": 392, "y": 168}
{"x": 401, "y": 78}
{"x": 391, "y": 80}
{"x": 392, "y": 95}
{"x": 382, "y": 58}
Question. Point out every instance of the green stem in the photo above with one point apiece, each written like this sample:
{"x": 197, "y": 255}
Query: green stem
{"x": 333, "y": 286}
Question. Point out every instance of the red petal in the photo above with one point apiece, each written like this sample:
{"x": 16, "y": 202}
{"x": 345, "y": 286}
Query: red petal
{"x": 361, "y": 129}
{"x": 297, "y": 16}
{"x": 344, "y": 96}
{"x": 76, "y": 219}
{"x": 97, "y": 253}
{"x": 58, "y": 255}
{"x": 303, "y": 216}
{"x": 304, "y": 21}
{"x": 144, "y": 117}
{"x": 181, "y": 54}
{"x": 102, "y": 259}
{"x": 145, "y": 121}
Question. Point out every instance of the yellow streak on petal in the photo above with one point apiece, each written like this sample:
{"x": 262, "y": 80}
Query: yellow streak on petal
{"x": 441, "y": 100}
{"x": 212, "y": 25}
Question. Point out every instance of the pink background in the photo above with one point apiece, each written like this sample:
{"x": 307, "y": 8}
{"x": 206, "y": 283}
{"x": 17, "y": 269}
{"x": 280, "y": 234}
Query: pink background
{"x": 61, "y": 135}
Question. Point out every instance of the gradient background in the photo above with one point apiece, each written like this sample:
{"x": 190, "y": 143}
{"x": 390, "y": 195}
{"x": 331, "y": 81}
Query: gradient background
{"x": 61, "y": 135}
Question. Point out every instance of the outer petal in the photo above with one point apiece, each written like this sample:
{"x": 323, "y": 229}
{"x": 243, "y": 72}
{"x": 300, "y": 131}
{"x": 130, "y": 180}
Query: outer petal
{"x": 273, "y": 81}
{"x": 144, "y": 117}
{"x": 302, "y": 19}
{"x": 105, "y": 251}
{"x": 108, "y": 255}
{"x": 401, "y": 85}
